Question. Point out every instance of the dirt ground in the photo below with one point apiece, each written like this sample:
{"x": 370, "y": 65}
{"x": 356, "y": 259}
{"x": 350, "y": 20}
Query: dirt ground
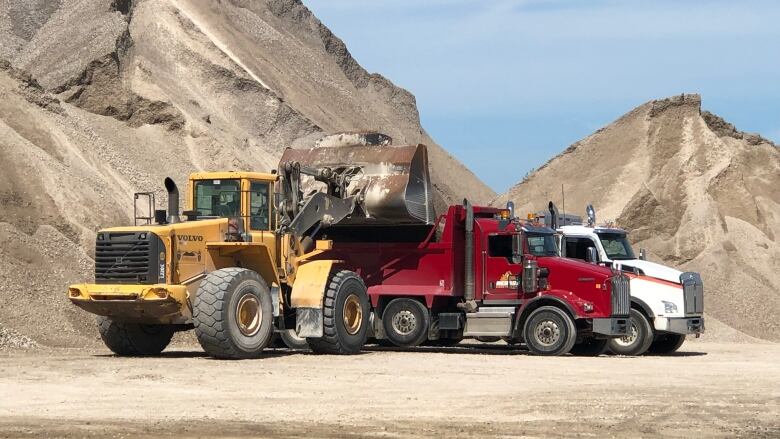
{"x": 706, "y": 390}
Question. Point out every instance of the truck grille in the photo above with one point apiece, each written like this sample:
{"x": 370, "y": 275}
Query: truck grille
{"x": 621, "y": 295}
{"x": 693, "y": 292}
{"x": 127, "y": 258}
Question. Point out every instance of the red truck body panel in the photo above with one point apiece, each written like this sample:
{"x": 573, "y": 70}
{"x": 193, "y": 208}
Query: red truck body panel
{"x": 433, "y": 269}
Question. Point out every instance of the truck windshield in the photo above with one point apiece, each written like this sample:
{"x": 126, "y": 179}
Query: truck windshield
{"x": 218, "y": 198}
{"x": 616, "y": 246}
{"x": 542, "y": 245}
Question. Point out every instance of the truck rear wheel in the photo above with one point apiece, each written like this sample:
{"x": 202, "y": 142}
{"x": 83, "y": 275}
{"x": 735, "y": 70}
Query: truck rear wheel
{"x": 233, "y": 314}
{"x": 293, "y": 341}
{"x": 406, "y": 322}
{"x": 345, "y": 316}
{"x": 549, "y": 331}
{"x": 590, "y": 347}
{"x": 129, "y": 339}
{"x": 667, "y": 343}
{"x": 638, "y": 340}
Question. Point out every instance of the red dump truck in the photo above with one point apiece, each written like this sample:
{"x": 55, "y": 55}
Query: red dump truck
{"x": 479, "y": 272}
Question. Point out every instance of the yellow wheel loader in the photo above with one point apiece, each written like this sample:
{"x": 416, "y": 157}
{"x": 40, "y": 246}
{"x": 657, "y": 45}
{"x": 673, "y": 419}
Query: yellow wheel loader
{"x": 236, "y": 265}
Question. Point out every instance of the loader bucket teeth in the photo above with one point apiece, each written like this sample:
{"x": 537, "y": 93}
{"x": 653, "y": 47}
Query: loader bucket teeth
{"x": 390, "y": 184}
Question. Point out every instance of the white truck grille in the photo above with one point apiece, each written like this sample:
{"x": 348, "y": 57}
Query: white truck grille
{"x": 693, "y": 292}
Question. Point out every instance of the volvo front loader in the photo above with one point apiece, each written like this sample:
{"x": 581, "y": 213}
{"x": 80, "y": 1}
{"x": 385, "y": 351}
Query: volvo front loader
{"x": 240, "y": 263}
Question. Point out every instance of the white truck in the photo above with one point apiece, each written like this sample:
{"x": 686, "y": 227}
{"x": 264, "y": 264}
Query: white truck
{"x": 666, "y": 304}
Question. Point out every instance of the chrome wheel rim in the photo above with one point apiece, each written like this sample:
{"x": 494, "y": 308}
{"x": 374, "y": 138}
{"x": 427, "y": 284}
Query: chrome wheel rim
{"x": 404, "y": 322}
{"x": 629, "y": 339}
{"x": 547, "y": 332}
{"x": 249, "y": 315}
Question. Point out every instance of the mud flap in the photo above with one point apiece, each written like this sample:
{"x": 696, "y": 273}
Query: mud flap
{"x": 308, "y": 322}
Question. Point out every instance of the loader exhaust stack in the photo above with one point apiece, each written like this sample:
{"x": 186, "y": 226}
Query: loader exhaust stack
{"x": 389, "y": 184}
{"x": 173, "y": 201}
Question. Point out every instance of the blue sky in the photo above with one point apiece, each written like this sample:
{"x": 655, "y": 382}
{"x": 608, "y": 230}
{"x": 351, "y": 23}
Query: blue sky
{"x": 505, "y": 85}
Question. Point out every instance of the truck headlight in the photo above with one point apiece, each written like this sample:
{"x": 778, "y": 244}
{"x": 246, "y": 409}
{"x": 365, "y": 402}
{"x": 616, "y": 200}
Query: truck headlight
{"x": 669, "y": 307}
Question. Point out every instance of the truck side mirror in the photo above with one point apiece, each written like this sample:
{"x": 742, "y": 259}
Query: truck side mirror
{"x": 530, "y": 276}
{"x": 517, "y": 249}
{"x": 642, "y": 254}
{"x": 591, "y": 255}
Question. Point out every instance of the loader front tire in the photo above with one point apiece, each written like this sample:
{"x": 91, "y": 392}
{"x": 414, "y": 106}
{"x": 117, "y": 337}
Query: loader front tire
{"x": 233, "y": 314}
{"x": 134, "y": 339}
{"x": 345, "y": 316}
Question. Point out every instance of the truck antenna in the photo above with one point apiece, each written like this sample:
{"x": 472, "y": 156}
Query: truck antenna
{"x": 563, "y": 204}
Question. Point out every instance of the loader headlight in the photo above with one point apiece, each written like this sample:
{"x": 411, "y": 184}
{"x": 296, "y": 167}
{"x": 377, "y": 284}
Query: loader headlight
{"x": 669, "y": 307}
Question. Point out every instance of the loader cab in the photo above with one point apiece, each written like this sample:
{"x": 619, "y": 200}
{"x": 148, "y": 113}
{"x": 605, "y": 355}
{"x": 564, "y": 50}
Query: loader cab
{"x": 246, "y": 197}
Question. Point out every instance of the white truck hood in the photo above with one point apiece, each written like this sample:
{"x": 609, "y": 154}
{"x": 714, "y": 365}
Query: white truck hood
{"x": 654, "y": 270}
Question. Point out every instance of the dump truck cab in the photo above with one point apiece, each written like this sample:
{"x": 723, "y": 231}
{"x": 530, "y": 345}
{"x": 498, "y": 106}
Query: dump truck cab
{"x": 667, "y": 303}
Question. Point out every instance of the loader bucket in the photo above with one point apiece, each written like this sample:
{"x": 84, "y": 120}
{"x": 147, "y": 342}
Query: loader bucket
{"x": 391, "y": 184}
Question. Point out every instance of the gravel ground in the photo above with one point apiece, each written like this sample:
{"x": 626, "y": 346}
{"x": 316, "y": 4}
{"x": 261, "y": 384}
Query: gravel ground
{"x": 706, "y": 390}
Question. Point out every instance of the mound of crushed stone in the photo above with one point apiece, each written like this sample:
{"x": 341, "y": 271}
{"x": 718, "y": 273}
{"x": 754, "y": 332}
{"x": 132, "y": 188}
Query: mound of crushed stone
{"x": 101, "y": 98}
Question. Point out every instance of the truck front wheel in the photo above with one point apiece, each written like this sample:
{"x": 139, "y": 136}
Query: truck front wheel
{"x": 406, "y": 322}
{"x": 130, "y": 339}
{"x": 590, "y": 347}
{"x": 638, "y": 339}
{"x": 233, "y": 314}
{"x": 345, "y": 316}
{"x": 549, "y": 331}
{"x": 667, "y": 343}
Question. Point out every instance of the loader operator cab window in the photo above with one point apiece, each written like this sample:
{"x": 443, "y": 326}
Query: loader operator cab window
{"x": 218, "y": 198}
{"x": 259, "y": 212}
{"x": 577, "y": 248}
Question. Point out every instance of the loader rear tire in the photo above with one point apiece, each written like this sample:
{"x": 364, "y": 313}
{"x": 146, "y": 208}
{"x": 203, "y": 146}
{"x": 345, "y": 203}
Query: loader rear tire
{"x": 666, "y": 344}
{"x": 345, "y": 314}
{"x": 134, "y": 339}
{"x": 549, "y": 331}
{"x": 233, "y": 314}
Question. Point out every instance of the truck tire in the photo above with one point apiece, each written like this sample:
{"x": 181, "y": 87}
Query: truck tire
{"x": 292, "y": 341}
{"x": 590, "y": 347}
{"x": 131, "y": 339}
{"x": 406, "y": 322}
{"x": 666, "y": 343}
{"x": 637, "y": 341}
{"x": 549, "y": 330}
{"x": 345, "y": 316}
{"x": 233, "y": 314}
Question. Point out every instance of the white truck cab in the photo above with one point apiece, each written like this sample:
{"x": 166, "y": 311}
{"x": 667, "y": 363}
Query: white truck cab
{"x": 667, "y": 304}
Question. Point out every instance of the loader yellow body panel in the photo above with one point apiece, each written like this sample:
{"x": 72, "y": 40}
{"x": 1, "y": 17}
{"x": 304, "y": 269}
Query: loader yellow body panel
{"x": 153, "y": 304}
{"x": 310, "y": 283}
